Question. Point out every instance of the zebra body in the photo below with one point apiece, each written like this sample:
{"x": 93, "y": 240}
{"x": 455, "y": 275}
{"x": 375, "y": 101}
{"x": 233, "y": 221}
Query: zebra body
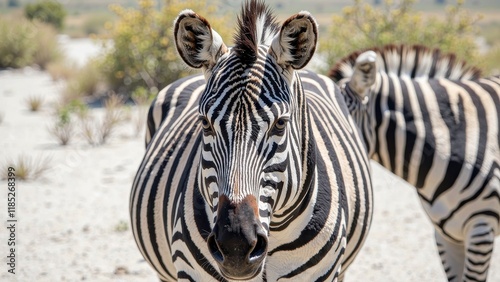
{"x": 434, "y": 122}
{"x": 252, "y": 171}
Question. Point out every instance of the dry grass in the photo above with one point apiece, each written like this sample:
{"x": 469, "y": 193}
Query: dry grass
{"x": 88, "y": 130}
{"x": 113, "y": 116}
{"x": 27, "y": 167}
{"x": 62, "y": 132}
{"x": 34, "y": 102}
{"x": 97, "y": 132}
{"x": 63, "y": 128}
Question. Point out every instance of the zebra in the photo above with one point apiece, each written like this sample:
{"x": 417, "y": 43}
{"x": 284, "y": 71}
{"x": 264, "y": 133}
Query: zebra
{"x": 253, "y": 169}
{"x": 432, "y": 120}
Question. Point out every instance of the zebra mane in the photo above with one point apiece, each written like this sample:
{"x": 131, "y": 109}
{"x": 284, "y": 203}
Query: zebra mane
{"x": 256, "y": 26}
{"x": 414, "y": 61}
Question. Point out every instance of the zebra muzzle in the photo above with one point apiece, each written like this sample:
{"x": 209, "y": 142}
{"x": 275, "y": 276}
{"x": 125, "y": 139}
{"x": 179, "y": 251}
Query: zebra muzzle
{"x": 238, "y": 242}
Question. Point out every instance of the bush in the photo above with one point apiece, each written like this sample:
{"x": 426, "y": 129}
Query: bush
{"x": 46, "y": 11}
{"x": 144, "y": 54}
{"x": 86, "y": 81}
{"x": 63, "y": 127}
{"x": 16, "y": 47}
{"x": 47, "y": 48}
{"x": 24, "y": 43}
{"x": 362, "y": 26}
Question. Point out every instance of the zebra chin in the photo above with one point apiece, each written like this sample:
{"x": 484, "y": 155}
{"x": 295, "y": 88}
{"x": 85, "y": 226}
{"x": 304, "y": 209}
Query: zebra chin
{"x": 238, "y": 242}
{"x": 240, "y": 276}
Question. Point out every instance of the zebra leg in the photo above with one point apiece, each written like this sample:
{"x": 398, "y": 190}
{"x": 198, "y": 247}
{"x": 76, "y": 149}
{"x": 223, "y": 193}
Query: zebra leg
{"x": 452, "y": 257}
{"x": 479, "y": 248}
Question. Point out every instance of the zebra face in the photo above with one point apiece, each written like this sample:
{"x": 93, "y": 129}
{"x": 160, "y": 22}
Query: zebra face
{"x": 250, "y": 114}
{"x": 247, "y": 126}
{"x": 359, "y": 89}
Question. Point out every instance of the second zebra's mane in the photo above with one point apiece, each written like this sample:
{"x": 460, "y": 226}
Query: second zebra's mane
{"x": 256, "y": 26}
{"x": 414, "y": 61}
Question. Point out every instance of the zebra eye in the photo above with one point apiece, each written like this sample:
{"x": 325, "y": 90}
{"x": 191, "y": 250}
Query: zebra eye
{"x": 205, "y": 123}
{"x": 280, "y": 124}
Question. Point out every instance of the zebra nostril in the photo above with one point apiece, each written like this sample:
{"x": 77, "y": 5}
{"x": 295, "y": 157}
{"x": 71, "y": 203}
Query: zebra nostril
{"x": 260, "y": 248}
{"x": 214, "y": 249}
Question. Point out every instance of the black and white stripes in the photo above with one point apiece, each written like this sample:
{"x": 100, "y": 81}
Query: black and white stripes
{"x": 431, "y": 120}
{"x": 260, "y": 174}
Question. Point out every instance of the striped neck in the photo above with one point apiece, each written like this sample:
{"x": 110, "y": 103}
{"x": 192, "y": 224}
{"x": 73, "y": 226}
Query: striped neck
{"x": 362, "y": 111}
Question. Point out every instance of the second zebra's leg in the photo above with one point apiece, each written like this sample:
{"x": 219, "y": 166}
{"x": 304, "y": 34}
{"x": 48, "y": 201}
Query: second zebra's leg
{"x": 479, "y": 248}
{"x": 452, "y": 257}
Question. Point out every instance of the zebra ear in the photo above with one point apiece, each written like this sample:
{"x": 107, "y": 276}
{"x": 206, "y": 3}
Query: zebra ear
{"x": 197, "y": 43}
{"x": 294, "y": 46}
{"x": 363, "y": 76}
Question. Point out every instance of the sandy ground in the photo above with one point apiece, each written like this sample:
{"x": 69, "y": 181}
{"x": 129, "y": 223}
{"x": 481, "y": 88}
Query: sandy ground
{"x": 71, "y": 221}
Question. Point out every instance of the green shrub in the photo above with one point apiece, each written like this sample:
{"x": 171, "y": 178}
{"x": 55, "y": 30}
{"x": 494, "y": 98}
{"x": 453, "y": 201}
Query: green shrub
{"x": 24, "y": 43}
{"x": 46, "y": 11}
{"x": 16, "y": 42}
{"x": 143, "y": 53}
{"x": 362, "y": 26}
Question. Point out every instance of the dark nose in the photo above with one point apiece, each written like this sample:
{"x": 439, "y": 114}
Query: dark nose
{"x": 238, "y": 243}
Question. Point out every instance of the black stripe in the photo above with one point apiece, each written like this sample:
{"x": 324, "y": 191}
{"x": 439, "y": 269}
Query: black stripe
{"x": 427, "y": 155}
{"x": 316, "y": 224}
{"x": 457, "y": 132}
{"x": 150, "y": 120}
{"x": 411, "y": 130}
